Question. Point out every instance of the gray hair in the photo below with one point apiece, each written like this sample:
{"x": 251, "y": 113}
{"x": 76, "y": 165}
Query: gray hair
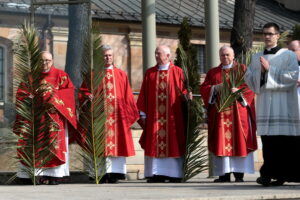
{"x": 226, "y": 47}
{"x": 165, "y": 48}
{"x": 106, "y": 47}
{"x": 46, "y": 52}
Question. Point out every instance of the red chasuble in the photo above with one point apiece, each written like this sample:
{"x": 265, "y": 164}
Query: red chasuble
{"x": 162, "y": 101}
{"x": 229, "y": 133}
{"x": 121, "y": 112}
{"x": 62, "y": 89}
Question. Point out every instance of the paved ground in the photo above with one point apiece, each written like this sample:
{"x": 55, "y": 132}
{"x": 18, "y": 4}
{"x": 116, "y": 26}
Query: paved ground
{"x": 199, "y": 188}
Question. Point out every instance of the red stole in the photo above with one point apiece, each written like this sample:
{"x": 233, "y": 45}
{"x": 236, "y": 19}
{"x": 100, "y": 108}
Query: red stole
{"x": 161, "y": 99}
{"x": 229, "y": 132}
{"x": 110, "y": 111}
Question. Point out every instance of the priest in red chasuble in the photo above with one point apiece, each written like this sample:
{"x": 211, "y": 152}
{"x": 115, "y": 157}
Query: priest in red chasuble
{"x": 231, "y": 133}
{"x": 121, "y": 112}
{"x": 160, "y": 104}
{"x": 62, "y": 113}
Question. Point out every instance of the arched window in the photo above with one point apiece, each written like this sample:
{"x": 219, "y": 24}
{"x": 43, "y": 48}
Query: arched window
{"x": 2, "y": 73}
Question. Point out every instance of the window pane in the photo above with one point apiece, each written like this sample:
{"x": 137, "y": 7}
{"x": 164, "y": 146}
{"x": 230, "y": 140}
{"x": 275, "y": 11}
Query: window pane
{"x": 201, "y": 57}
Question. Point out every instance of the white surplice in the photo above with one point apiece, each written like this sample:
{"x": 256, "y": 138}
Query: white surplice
{"x": 59, "y": 171}
{"x": 171, "y": 167}
{"x": 277, "y": 111}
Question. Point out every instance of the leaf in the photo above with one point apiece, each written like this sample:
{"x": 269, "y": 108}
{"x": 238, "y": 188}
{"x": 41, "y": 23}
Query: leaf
{"x": 235, "y": 79}
{"x": 34, "y": 146}
{"x": 91, "y": 114}
{"x": 195, "y": 158}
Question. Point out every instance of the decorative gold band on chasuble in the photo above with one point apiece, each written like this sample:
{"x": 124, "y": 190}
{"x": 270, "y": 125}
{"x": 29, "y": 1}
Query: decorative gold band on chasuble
{"x": 110, "y": 106}
{"x": 162, "y": 113}
{"x": 227, "y": 124}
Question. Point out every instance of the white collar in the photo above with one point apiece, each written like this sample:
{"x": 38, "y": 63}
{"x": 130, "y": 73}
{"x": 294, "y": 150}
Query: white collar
{"x": 164, "y": 67}
{"x": 227, "y": 66}
{"x": 109, "y": 67}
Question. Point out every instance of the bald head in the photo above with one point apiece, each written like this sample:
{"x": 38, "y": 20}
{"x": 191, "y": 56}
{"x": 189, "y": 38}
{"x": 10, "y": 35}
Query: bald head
{"x": 46, "y": 53}
{"x": 162, "y": 54}
{"x": 226, "y": 54}
{"x": 294, "y": 45}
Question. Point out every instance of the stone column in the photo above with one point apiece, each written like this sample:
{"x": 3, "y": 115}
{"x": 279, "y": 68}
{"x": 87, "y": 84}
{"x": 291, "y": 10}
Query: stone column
{"x": 60, "y": 39}
{"x": 212, "y": 38}
{"x": 212, "y": 35}
{"x": 149, "y": 33}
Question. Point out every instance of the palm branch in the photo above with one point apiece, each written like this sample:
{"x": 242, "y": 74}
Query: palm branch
{"x": 33, "y": 126}
{"x": 195, "y": 158}
{"x": 91, "y": 113}
{"x": 226, "y": 97}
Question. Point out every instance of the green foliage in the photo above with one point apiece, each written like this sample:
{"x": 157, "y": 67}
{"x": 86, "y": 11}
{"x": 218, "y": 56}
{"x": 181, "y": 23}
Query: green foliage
{"x": 195, "y": 159}
{"x": 184, "y": 35}
{"x": 246, "y": 58}
{"x": 296, "y": 32}
{"x": 227, "y": 98}
{"x": 91, "y": 114}
{"x": 33, "y": 126}
{"x": 283, "y": 39}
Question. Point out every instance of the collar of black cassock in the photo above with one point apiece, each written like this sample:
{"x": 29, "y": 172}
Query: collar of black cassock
{"x": 272, "y": 50}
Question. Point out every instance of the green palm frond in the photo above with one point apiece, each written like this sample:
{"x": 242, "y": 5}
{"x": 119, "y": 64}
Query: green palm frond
{"x": 195, "y": 159}
{"x": 226, "y": 97}
{"x": 246, "y": 57}
{"x": 33, "y": 126}
{"x": 283, "y": 39}
{"x": 92, "y": 114}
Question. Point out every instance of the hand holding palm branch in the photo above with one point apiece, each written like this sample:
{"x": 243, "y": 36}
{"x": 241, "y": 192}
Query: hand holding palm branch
{"x": 230, "y": 80}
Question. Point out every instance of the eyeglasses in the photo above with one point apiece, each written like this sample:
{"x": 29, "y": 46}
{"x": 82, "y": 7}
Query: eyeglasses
{"x": 269, "y": 34}
{"x": 45, "y": 61}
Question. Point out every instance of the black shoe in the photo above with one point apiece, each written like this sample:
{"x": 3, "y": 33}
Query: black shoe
{"x": 239, "y": 180}
{"x": 156, "y": 179}
{"x": 223, "y": 179}
{"x": 103, "y": 179}
{"x": 239, "y": 177}
{"x": 263, "y": 181}
{"x": 53, "y": 181}
{"x": 112, "y": 180}
{"x": 49, "y": 180}
{"x": 23, "y": 181}
{"x": 219, "y": 180}
{"x": 278, "y": 182}
{"x": 44, "y": 180}
{"x": 175, "y": 180}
